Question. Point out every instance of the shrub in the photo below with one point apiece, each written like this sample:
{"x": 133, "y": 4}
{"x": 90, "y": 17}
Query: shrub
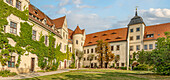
{"x": 123, "y": 68}
{"x": 116, "y": 67}
{"x": 72, "y": 65}
{"x": 141, "y": 67}
{"x": 6, "y": 73}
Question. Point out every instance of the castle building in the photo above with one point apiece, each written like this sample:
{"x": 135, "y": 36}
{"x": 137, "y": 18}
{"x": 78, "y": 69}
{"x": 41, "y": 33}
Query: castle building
{"x": 123, "y": 41}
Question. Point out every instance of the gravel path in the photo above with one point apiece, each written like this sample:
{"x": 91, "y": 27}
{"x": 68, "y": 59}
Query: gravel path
{"x": 31, "y": 75}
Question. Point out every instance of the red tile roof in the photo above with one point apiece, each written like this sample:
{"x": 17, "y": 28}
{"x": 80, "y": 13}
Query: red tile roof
{"x": 157, "y": 30}
{"x": 59, "y": 22}
{"x": 121, "y": 34}
{"x": 78, "y": 31}
{"x": 48, "y": 28}
{"x": 108, "y": 36}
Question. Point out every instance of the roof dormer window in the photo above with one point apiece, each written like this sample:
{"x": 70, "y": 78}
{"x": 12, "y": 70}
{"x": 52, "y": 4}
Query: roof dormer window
{"x": 89, "y": 42}
{"x": 119, "y": 37}
{"x": 113, "y": 33}
{"x": 104, "y": 34}
{"x": 10, "y": 1}
{"x": 94, "y": 36}
{"x": 36, "y": 12}
{"x": 149, "y": 35}
{"x": 107, "y": 39}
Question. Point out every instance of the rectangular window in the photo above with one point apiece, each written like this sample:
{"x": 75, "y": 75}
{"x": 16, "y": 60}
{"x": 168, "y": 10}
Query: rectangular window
{"x": 13, "y": 27}
{"x": 65, "y": 47}
{"x": 96, "y": 50}
{"x": 155, "y": 46}
{"x": 131, "y": 48}
{"x": 84, "y": 51}
{"x": 145, "y": 47}
{"x": 10, "y": 1}
{"x": 46, "y": 39}
{"x": 76, "y": 41}
{"x": 150, "y": 46}
{"x": 137, "y": 47}
{"x": 118, "y": 47}
{"x": 18, "y": 4}
{"x": 131, "y": 38}
{"x": 131, "y": 30}
{"x": 70, "y": 49}
{"x": 60, "y": 45}
{"x": 117, "y": 64}
{"x": 87, "y": 50}
{"x": 137, "y": 37}
{"x": 84, "y": 59}
{"x": 112, "y": 48}
{"x": 33, "y": 34}
{"x": 123, "y": 64}
{"x": 63, "y": 34}
{"x": 137, "y": 29}
{"x": 11, "y": 62}
{"x": 91, "y": 50}
{"x": 96, "y": 58}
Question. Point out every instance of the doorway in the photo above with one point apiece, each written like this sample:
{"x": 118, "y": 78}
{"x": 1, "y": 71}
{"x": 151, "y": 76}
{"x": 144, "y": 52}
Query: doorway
{"x": 32, "y": 64}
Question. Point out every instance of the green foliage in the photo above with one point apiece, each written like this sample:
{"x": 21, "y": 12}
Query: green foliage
{"x": 6, "y": 73}
{"x": 159, "y": 57}
{"x": 55, "y": 65}
{"x": 141, "y": 67}
{"x": 25, "y": 40}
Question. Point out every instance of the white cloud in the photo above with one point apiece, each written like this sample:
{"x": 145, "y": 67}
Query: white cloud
{"x": 63, "y": 2}
{"x": 77, "y": 2}
{"x": 155, "y": 16}
{"x": 64, "y": 11}
{"x": 84, "y": 6}
{"x": 90, "y": 22}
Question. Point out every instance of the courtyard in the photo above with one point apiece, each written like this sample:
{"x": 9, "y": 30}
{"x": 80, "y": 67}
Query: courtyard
{"x": 103, "y": 74}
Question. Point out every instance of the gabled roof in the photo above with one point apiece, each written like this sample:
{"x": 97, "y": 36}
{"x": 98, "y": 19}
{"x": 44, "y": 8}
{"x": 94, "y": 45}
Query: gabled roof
{"x": 156, "y": 30}
{"x": 59, "y": 22}
{"x": 120, "y": 35}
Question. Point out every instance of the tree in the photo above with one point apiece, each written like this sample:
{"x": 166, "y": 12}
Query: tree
{"x": 100, "y": 51}
{"x": 109, "y": 56}
{"x": 117, "y": 58}
{"x": 91, "y": 56}
{"x": 80, "y": 56}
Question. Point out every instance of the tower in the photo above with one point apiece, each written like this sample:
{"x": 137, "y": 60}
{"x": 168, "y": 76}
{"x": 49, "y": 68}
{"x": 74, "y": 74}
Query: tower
{"x": 78, "y": 41}
{"x": 135, "y": 37}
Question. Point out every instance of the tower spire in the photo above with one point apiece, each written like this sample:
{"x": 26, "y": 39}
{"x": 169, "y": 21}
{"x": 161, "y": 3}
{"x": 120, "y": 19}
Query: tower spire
{"x": 136, "y": 14}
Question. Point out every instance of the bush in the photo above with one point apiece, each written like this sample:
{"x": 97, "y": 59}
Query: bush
{"x": 123, "y": 68}
{"x": 113, "y": 65}
{"x": 116, "y": 67}
{"x": 72, "y": 65}
{"x": 141, "y": 67}
{"x": 7, "y": 73}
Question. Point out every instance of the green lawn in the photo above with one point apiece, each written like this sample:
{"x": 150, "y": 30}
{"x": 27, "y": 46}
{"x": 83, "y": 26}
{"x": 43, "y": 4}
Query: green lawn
{"x": 103, "y": 74}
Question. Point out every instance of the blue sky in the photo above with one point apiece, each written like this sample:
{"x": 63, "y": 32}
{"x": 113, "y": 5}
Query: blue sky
{"x": 99, "y": 15}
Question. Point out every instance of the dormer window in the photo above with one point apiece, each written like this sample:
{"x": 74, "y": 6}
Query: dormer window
{"x": 94, "y": 36}
{"x": 36, "y": 12}
{"x": 149, "y": 35}
{"x": 113, "y": 33}
{"x": 10, "y": 1}
{"x": 107, "y": 39}
{"x": 45, "y": 21}
{"x": 119, "y": 38}
{"x": 18, "y": 4}
{"x": 104, "y": 34}
{"x": 89, "y": 42}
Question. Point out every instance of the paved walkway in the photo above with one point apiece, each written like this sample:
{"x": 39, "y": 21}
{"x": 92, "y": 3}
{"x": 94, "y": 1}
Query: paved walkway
{"x": 31, "y": 75}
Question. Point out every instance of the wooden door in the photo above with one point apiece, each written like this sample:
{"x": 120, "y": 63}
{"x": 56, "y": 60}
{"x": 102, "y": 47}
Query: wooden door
{"x": 32, "y": 64}
{"x": 65, "y": 64}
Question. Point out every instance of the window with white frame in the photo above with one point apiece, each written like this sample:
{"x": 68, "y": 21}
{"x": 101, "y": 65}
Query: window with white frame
{"x": 13, "y": 27}
{"x": 137, "y": 47}
{"x": 18, "y": 4}
{"x": 145, "y": 47}
{"x": 46, "y": 40}
{"x": 150, "y": 46}
{"x": 11, "y": 62}
{"x": 33, "y": 34}
{"x": 10, "y": 1}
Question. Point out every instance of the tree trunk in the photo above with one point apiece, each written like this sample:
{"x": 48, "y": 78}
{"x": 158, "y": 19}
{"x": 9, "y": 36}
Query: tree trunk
{"x": 101, "y": 60}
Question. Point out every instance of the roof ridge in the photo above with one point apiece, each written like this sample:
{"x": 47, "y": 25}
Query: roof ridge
{"x": 107, "y": 30}
{"x": 158, "y": 24}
